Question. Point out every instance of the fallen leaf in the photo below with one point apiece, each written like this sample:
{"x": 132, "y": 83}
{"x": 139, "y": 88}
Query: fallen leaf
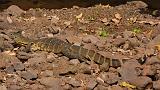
{"x": 125, "y": 84}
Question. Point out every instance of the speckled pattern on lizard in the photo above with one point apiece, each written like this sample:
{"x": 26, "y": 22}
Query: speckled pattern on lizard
{"x": 56, "y": 45}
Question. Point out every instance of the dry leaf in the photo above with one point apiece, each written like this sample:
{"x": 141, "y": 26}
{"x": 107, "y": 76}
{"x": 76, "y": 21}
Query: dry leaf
{"x": 125, "y": 84}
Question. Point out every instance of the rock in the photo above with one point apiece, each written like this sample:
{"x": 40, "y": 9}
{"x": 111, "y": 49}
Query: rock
{"x": 9, "y": 69}
{"x": 130, "y": 70}
{"x": 119, "y": 41}
{"x": 154, "y": 42}
{"x": 156, "y": 85}
{"x": 3, "y": 87}
{"x": 29, "y": 75}
{"x": 100, "y": 87}
{"x": 74, "y": 39}
{"x": 127, "y": 34}
{"x": 141, "y": 81}
{"x": 18, "y": 66}
{"x": 15, "y": 10}
{"x": 54, "y": 29}
{"x": 74, "y": 82}
{"x": 54, "y": 83}
{"x": 91, "y": 85}
{"x": 14, "y": 87}
{"x": 149, "y": 70}
{"x": 150, "y": 52}
{"x": 134, "y": 42}
{"x": 47, "y": 73}
{"x": 74, "y": 61}
{"x": 67, "y": 87}
{"x": 110, "y": 78}
{"x": 152, "y": 60}
{"x": 7, "y": 60}
{"x": 90, "y": 39}
{"x": 84, "y": 68}
{"x": 115, "y": 87}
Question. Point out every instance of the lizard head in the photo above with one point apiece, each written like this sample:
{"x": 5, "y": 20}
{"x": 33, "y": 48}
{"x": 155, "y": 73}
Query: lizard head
{"x": 19, "y": 38}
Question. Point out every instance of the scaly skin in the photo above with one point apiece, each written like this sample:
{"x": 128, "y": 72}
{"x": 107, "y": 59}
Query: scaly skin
{"x": 56, "y": 45}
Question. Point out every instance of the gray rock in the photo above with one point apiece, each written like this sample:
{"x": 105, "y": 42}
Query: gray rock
{"x": 156, "y": 85}
{"x": 91, "y": 85}
{"x": 19, "y": 66}
{"x": 47, "y": 73}
{"x": 149, "y": 70}
{"x": 54, "y": 83}
{"x": 15, "y": 10}
{"x": 74, "y": 82}
{"x": 3, "y": 87}
{"x": 141, "y": 81}
{"x": 29, "y": 75}
{"x": 74, "y": 61}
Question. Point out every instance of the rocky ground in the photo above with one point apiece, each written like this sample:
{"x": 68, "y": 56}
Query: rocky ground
{"x": 123, "y": 31}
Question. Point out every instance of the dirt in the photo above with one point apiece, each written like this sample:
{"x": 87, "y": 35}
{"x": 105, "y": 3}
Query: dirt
{"x": 117, "y": 32}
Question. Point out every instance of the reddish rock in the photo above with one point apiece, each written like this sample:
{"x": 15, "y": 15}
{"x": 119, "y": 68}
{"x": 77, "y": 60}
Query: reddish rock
{"x": 141, "y": 81}
{"x": 15, "y": 10}
{"x": 156, "y": 85}
{"x": 149, "y": 70}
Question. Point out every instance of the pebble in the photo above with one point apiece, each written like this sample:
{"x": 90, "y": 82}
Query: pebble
{"x": 90, "y": 39}
{"x": 54, "y": 83}
{"x": 156, "y": 85}
{"x": 9, "y": 69}
{"x": 91, "y": 85}
{"x": 19, "y": 66}
{"x": 149, "y": 70}
{"x": 110, "y": 78}
{"x": 119, "y": 41}
{"x": 127, "y": 34}
{"x": 3, "y": 87}
{"x": 128, "y": 71}
{"x": 141, "y": 81}
{"x": 15, "y": 10}
{"x": 47, "y": 73}
{"x": 74, "y": 82}
{"x": 74, "y": 61}
{"x": 29, "y": 75}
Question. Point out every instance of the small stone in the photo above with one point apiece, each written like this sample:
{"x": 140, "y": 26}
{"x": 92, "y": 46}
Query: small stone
{"x": 90, "y": 39}
{"x": 130, "y": 70}
{"x": 156, "y": 85}
{"x": 100, "y": 87}
{"x": 127, "y": 34}
{"x": 104, "y": 20}
{"x": 18, "y": 66}
{"x": 2, "y": 87}
{"x": 15, "y": 10}
{"x": 91, "y": 84}
{"x": 110, "y": 78}
{"x": 119, "y": 41}
{"x": 141, "y": 81}
{"x": 51, "y": 82}
{"x": 9, "y": 69}
{"x": 150, "y": 52}
{"x": 74, "y": 82}
{"x": 47, "y": 73}
{"x": 149, "y": 70}
{"x": 67, "y": 87}
{"x": 118, "y": 16}
{"x": 74, "y": 61}
{"x": 14, "y": 87}
{"x": 54, "y": 29}
{"x": 134, "y": 42}
{"x": 152, "y": 60}
{"x": 116, "y": 87}
{"x": 29, "y": 75}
